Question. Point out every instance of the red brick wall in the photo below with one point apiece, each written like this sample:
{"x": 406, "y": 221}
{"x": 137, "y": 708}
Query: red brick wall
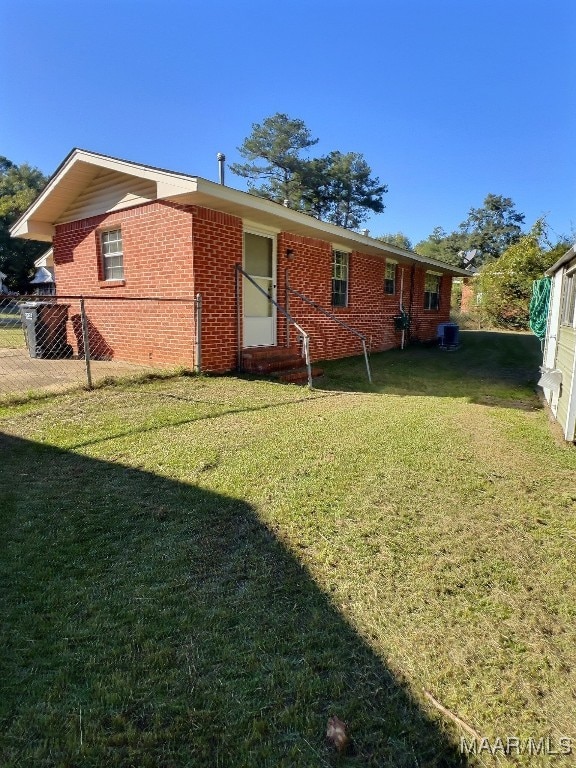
{"x": 370, "y": 311}
{"x": 157, "y": 246}
{"x": 424, "y": 322}
{"x": 218, "y": 245}
{"x": 173, "y": 251}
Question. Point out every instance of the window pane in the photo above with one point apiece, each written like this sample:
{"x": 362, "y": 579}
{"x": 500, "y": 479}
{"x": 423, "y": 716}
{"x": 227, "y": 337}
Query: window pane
{"x": 114, "y": 261}
{"x": 112, "y": 241}
{"x": 390, "y": 279}
{"x": 339, "y": 279}
{"x": 568, "y": 300}
{"x": 431, "y": 282}
{"x": 112, "y": 258}
{"x": 258, "y": 255}
{"x": 255, "y": 303}
{"x": 115, "y": 273}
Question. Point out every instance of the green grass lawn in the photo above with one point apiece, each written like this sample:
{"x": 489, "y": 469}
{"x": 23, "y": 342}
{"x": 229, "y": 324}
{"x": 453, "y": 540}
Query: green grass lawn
{"x": 12, "y": 337}
{"x": 200, "y": 571}
{"x": 11, "y": 332}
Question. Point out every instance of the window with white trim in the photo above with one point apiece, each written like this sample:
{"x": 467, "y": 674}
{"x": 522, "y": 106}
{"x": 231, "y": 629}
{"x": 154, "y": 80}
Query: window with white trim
{"x": 390, "y": 277}
{"x": 112, "y": 254}
{"x": 432, "y": 291}
{"x": 340, "y": 274}
{"x": 568, "y": 300}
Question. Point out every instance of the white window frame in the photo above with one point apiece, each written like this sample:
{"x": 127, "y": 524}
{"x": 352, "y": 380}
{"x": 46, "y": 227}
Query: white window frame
{"x": 568, "y": 298}
{"x": 106, "y": 268}
{"x": 390, "y": 265}
{"x": 429, "y": 302}
{"x": 340, "y": 267}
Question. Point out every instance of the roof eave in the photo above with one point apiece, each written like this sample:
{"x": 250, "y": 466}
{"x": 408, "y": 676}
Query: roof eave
{"x": 568, "y": 256}
{"x": 246, "y": 206}
{"x": 37, "y": 222}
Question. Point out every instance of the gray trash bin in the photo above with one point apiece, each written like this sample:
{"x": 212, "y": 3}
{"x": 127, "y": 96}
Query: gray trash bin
{"x": 44, "y": 326}
{"x": 29, "y": 316}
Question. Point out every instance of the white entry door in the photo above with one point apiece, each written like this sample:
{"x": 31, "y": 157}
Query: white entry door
{"x": 259, "y": 313}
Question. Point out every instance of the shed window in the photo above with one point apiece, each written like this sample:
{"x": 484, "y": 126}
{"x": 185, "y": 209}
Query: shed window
{"x": 340, "y": 270}
{"x": 568, "y": 302}
{"x": 390, "y": 277}
{"x": 432, "y": 291}
{"x": 112, "y": 255}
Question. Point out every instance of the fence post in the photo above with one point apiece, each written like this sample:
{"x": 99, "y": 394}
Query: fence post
{"x": 198, "y": 334}
{"x": 86, "y": 342}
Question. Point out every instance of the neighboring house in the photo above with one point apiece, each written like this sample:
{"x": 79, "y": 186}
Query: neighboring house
{"x": 43, "y": 281}
{"x": 123, "y": 230}
{"x": 559, "y": 368}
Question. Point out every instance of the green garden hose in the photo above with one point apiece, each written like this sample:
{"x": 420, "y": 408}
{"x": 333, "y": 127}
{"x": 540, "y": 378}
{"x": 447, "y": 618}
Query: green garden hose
{"x": 539, "y": 306}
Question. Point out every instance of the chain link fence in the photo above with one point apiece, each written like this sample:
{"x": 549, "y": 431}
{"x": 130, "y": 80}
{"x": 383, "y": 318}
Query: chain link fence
{"x": 56, "y": 343}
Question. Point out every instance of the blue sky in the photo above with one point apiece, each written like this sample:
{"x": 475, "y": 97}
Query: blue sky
{"x": 448, "y": 100}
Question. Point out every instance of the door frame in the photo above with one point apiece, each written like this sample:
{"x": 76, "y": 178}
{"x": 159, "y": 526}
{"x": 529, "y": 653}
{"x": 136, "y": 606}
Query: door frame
{"x": 271, "y": 234}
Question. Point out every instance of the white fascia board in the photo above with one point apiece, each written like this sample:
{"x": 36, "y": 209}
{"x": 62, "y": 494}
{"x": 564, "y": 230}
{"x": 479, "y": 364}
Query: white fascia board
{"x": 20, "y": 227}
{"x": 46, "y": 260}
{"x": 30, "y": 229}
{"x": 246, "y": 206}
{"x": 159, "y": 175}
{"x": 169, "y": 184}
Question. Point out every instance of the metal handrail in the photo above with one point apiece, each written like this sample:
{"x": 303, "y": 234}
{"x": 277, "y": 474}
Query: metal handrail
{"x": 337, "y": 320}
{"x": 288, "y": 316}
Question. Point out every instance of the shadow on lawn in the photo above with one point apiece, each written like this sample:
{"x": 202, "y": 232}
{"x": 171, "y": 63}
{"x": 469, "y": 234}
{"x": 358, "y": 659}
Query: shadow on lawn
{"x": 489, "y": 368}
{"x": 153, "y": 623}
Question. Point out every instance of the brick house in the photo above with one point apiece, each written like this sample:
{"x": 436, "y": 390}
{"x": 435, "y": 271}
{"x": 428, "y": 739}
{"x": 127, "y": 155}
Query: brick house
{"x": 122, "y": 230}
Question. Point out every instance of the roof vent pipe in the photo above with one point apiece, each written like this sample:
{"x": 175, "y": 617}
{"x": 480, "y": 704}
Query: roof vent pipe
{"x": 221, "y": 158}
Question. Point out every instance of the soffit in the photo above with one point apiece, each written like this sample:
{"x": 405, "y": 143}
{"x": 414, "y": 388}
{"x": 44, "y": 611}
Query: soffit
{"x": 71, "y": 180}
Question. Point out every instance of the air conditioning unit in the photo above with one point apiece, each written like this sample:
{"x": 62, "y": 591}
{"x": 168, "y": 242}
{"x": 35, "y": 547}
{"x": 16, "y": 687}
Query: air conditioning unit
{"x": 448, "y": 335}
